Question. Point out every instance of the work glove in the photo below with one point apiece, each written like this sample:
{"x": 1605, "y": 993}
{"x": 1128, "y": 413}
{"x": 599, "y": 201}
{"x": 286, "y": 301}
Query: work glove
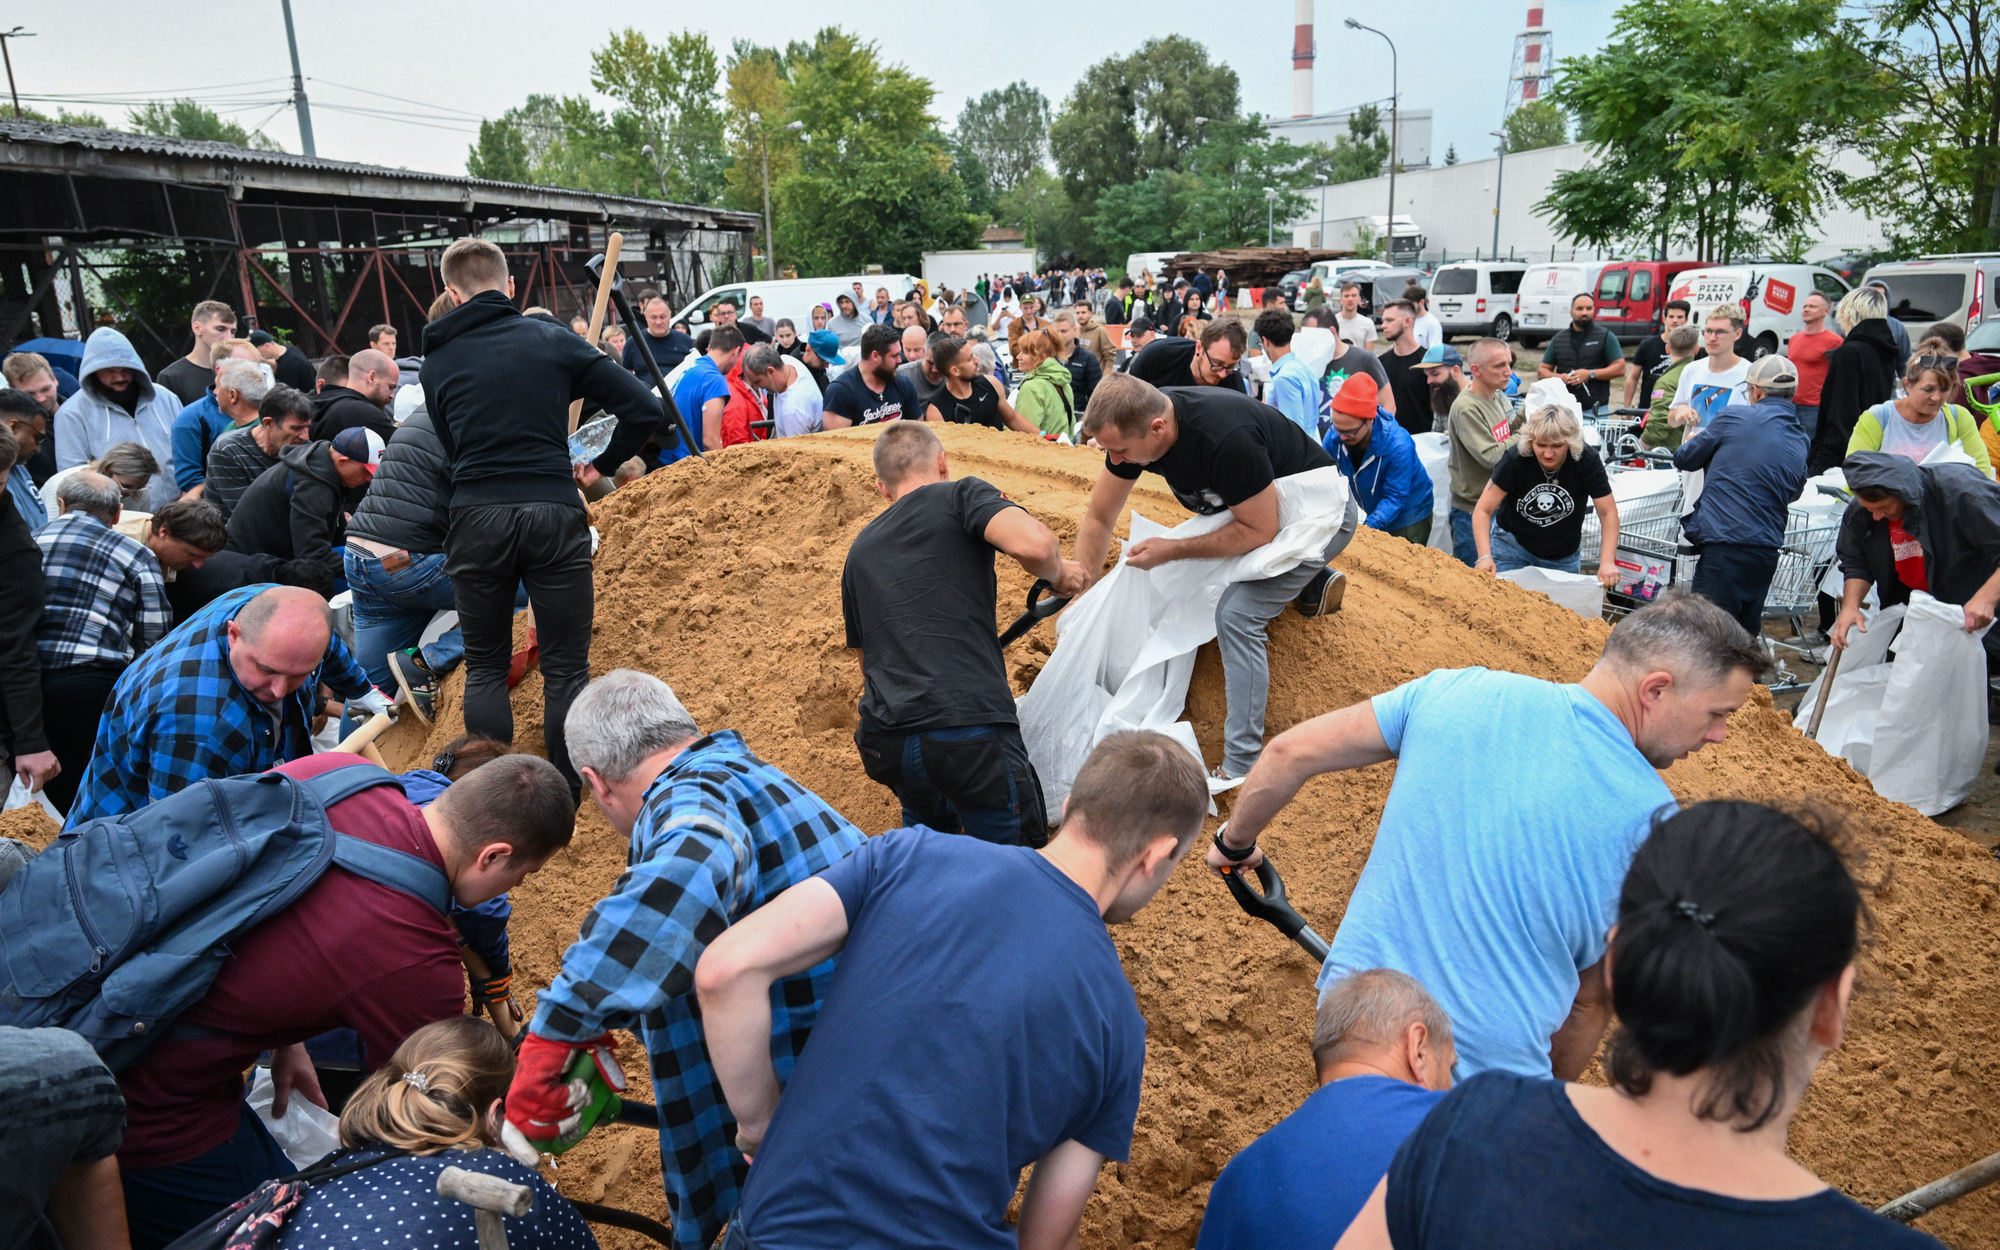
{"x": 371, "y": 703}
{"x": 545, "y": 1107}
{"x": 496, "y": 994}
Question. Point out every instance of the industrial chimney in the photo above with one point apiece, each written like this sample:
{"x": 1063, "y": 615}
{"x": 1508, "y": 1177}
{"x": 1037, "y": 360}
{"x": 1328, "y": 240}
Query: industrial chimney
{"x": 1302, "y": 58}
{"x": 1533, "y": 73}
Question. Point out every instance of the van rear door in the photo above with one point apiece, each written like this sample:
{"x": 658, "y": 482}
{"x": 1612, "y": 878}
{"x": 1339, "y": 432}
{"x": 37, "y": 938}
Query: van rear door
{"x": 1545, "y": 295}
{"x": 1454, "y": 290}
{"x": 1611, "y": 295}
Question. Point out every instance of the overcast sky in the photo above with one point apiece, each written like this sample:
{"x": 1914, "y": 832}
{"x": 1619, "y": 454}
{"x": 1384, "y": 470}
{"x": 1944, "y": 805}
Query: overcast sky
{"x": 459, "y": 60}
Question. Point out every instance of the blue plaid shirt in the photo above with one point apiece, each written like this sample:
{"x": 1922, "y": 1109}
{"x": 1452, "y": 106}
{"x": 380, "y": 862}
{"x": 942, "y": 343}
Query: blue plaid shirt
{"x": 179, "y": 715}
{"x": 721, "y": 833}
{"x": 106, "y": 597}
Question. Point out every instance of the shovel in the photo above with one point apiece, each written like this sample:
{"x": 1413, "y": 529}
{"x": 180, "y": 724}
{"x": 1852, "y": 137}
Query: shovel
{"x": 1039, "y": 609}
{"x": 1268, "y": 903}
{"x": 1825, "y": 689}
{"x": 1928, "y": 1198}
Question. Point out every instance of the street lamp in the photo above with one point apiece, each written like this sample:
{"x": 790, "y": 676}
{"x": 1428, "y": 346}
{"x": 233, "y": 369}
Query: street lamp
{"x": 1389, "y": 245}
{"x": 658, "y": 166}
{"x": 1499, "y": 171}
{"x": 764, "y": 142}
{"x": 1270, "y": 206}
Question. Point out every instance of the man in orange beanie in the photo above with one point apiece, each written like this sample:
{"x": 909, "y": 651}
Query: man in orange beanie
{"x": 1380, "y": 462}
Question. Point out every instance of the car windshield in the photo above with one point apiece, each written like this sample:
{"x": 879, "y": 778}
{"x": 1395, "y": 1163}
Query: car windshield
{"x": 1456, "y": 282}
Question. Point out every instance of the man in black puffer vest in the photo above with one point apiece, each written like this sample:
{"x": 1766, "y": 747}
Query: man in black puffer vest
{"x": 498, "y": 387}
{"x": 1585, "y": 355}
{"x": 297, "y": 509}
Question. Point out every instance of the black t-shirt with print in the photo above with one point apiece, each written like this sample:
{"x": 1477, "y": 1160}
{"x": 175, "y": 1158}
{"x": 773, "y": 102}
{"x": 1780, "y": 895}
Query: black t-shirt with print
{"x": 1545, "y": 512}
{"x": 982, "y": 407}
{"x": 850, "y": 396}
{"x": 1652, "y": 359}
{"x": 1170, "y": 362}
{"x": 1230, "y": 448}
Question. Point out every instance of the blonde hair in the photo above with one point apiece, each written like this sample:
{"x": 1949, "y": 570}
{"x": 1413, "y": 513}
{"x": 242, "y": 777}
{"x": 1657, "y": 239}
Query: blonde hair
{"x": 433, "y": 1093}
{"x": 1551, "y": 425}
{"x": 1863, "y": 303}
{"x": 1933, "y": 355}
{"x": 1732, "y": 313}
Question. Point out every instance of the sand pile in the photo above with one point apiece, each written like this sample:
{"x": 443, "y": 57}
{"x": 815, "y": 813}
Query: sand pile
{"x": 723, "y": 579}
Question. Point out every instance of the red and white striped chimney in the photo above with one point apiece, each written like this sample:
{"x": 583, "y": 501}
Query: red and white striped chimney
{"x": 1302, "y": 58}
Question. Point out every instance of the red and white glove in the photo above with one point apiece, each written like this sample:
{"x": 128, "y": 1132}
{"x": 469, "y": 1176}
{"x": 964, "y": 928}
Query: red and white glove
{"x": 541, "y": 1104}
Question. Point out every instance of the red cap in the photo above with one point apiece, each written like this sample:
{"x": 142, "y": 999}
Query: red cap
{"x": 1356, "y": 397}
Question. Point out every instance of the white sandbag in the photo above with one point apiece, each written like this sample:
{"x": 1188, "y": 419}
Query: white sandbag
{"x": 18, "y": 796}
{"x": 1434, "y": 453}
{"x": 1863, "y": 650}
{"x": 1581, "y": 593}
{"x": 1930, "y": 743}
{"x": 307, "y": 1134}
{"x": 1125, "y": 649}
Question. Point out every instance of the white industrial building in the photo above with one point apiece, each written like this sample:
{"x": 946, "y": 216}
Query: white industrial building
{"x": 1413, "y": 131}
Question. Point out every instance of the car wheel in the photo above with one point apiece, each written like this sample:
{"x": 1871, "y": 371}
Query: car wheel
{"x": 1761, "y": 346}
{"x": 1503, "y": 327}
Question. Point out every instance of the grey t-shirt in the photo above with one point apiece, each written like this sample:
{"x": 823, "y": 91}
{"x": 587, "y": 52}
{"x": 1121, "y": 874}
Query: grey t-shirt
{"x": 61, "y": 1106}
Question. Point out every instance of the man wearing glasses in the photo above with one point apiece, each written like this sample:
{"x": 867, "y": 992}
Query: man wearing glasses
{"x": 1709, "y": 385}
{"x": 1210, "y": 360}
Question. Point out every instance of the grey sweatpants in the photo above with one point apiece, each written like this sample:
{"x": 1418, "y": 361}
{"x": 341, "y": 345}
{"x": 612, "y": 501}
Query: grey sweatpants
{"x": 1240, "y": 617}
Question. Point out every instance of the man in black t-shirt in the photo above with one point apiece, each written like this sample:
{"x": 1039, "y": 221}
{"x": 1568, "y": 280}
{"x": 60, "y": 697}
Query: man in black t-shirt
{"x": 1210, "y": 360}
{"x": 872, "y": 391}
{"x": 1651, "y": 358}
{"x": 1218, "y": 452}
{"x": 938, "y": 725}
{"x": 1404, "y": 363}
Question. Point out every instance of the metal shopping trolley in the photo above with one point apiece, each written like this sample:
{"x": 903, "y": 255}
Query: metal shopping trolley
{"x": 1802, "y": 564}
{"x": 1649, "y": 540}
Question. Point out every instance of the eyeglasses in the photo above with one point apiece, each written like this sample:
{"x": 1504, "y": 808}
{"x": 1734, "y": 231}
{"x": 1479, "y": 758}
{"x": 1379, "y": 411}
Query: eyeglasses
{"x": 1707, "y": 330}
{"x": 1219, "y": 366}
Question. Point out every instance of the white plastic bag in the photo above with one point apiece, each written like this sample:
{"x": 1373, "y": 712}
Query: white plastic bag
{"x": 18, "y": 796}
{"x": 1864, "y": 650}
{"x": 1581, "y": 593}
{"x": 1930, "y": 744}
{"x": 307, "y": 1134}
{"x": 1125, "y": 650}
{"x": 1434, "y": 453}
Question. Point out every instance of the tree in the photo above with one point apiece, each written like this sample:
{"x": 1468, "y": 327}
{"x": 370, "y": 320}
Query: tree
{"x": 1451, "y": 154}
{"x": 1233, "y": 168}
{"x": 668, "y": 92}
{"x": 1130, "y": 115}
{"x": 1056, "y": 227}
{"x": 1363, "y": 152}
{"x": 501, "y": 153}
{"x": 1006, "y": 131}
{"x": 64, "y": 117}
{"x": 757, "y": 80}
{"x": 1144, "y": 216}
{"x": 1707, "y": 113}
{"x": 1536, "y": 124}
{"x": 1936, "y": 185}
{"x": 188, "y": 119}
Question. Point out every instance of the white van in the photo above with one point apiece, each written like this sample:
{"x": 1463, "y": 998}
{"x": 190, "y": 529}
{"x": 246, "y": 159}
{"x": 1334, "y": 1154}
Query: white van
{"x": 1331, "y": 273}
{"x": 1478, "y": 297}
{"x": 1962, "y": 289}
{"x": 1769, "y": 295}
{"x": 790, "y": 297}
{"x": 1546, "y": 291}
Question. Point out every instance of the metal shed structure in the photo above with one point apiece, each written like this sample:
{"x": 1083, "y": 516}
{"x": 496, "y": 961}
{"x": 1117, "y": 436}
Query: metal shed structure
{"x": 322, "y": 249}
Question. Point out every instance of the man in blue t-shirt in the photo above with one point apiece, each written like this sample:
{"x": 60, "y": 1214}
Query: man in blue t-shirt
{"x": 978, "y": 1022}
{"x": 1382, "y": 1049}
{"x": 703, "y": 390}
{"x": 872, "y": 391}
{"x": 1516, "y": 807}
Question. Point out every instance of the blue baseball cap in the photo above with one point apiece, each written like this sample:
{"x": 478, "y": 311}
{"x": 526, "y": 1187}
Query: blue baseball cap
{"x": 825, "y": 345}
{"x": 1442, "y": 354}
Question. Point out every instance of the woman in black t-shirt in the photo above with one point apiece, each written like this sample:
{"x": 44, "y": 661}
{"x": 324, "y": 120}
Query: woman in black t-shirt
{"x": 1531, "y": 514}
{"x": 968, "y": 396}
{"x": 1730, "y": 973}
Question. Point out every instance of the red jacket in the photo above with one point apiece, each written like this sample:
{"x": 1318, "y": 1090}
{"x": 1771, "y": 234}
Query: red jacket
{"x": 743, "y": 408}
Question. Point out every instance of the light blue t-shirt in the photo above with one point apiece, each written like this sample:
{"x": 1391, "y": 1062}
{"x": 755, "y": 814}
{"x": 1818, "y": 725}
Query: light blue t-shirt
{"x": 1495, "y": 873}
{"x": 1295, "y": 392}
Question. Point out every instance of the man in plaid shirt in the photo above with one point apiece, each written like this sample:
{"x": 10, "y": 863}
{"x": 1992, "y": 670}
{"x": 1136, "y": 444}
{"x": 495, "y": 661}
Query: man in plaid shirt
{"x": 716, "y": 833}
{"x": 232, "y": 691}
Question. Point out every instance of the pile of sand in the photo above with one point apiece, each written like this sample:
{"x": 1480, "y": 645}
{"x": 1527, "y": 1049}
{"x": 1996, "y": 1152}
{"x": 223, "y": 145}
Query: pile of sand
{"x": 723, "y": 579}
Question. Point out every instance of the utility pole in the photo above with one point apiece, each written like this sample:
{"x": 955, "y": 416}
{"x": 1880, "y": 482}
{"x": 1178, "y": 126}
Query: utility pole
{"x": 1498, "y": 172}
{"x": 299, "y": 86}
{"x": 1395, "y": 98}
{"x": 17, "y": 33}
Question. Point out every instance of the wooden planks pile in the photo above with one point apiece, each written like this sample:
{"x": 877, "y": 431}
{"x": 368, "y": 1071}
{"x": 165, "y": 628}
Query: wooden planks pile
{"x": 1252, "y": 266}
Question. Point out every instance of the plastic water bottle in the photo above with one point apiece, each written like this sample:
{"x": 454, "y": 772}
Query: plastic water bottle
{"x": 591, "y": 440}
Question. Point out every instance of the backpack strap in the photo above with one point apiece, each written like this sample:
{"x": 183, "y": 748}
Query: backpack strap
{"x": 384, "y": 865}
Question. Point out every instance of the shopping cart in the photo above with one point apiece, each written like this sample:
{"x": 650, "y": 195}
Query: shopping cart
{"x": 1649, "y": 540}
{"x": 1802, "y": 565}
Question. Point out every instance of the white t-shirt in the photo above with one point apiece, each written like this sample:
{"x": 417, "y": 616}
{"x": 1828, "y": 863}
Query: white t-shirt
{"x": 1357, "y": 330}
{"x": 1429, "y": 331}
{"x": 1901, "y": 437}
{"x": 798, "y": 410}
{"x": 1708, "y": 391}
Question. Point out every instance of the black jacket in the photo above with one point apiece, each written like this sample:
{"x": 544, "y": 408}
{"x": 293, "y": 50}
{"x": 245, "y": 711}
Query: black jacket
{"x": 405, "y": 504}
{"x": 1860, "y": 373}
{"x": 498, "y": 387}
{"x": 1085, "y": 372}
{"x": 195, "y": 588}
{"x": 295, "y": 369}
{"x": 20, "y": 616}
{"x": 1569, "y": 351}
{"x": 338, "y": 408}
{"x": 1953, "y": 511}
{"x": 297, "y": 509}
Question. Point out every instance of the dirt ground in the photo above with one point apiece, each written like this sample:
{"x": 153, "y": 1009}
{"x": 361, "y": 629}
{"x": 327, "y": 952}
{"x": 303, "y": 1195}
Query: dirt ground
{"x": 723, "y": 579}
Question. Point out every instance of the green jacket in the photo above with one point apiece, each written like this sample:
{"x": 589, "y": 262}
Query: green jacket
{"x": 1046, "y": 398}
{"x": 1657, "y": 433}
{"x": 1961, "y": 427}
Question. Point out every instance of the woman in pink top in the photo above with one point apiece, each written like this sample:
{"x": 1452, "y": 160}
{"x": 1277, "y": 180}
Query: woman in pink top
{"x": 1807, "y": 351}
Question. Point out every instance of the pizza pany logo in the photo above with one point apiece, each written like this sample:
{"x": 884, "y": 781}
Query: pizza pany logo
{"x": 1778, "y": 296}
{"x": 1682, "y": 291}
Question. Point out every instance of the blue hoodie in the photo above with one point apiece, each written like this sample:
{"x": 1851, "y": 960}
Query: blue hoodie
{"x": 1755, "y": 457}
{"x": 1391, "y": 481}
{"x": 89, "y": 423}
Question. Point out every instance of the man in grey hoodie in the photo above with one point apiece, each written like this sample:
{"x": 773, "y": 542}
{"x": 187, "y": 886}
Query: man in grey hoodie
{"x": 118, "y": 403}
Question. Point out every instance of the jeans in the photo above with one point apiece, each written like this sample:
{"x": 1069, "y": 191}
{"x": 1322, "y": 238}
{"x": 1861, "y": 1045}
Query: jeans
{"x": 490, "y": 552}
{"x": 1809, "y": 420}
{"x": 163, "y": 1203}
{"x": 1509, "y": 554}
{"x": 73, "y": 701}
{"x": 1736, "y": 577}
{"x": 392, "y": 610}
{"x": 1462, "y": 545}
{"x": 972, "y": 779}
{"x": 1241, "y": 618}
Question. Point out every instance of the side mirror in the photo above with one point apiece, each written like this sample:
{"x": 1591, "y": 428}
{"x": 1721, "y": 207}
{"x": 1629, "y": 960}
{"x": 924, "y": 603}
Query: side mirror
{"x": 697, "y": 317}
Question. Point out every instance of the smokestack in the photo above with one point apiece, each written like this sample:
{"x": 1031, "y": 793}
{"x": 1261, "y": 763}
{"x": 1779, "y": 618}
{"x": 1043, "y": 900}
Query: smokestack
{"x": 1302, "y": 58}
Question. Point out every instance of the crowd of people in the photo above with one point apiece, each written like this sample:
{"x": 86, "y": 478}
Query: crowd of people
{"x": 168, "y": 654}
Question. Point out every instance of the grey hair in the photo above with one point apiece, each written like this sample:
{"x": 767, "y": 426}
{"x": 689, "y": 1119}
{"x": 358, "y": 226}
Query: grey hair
{"x": 1686, "y": 635}
{"x": 620, "y": 719}
{"x": 1683, "y": 338}
{"x": 988, "y": 361}
{"x": 1551, "y": 425}
{"x": 1370, "y": 1009}
{"x": 128, "y": 460}
{"x": 1863, "y": 303}
{"x": 85, "y": 491}
{"x": 249, "y": 378}
{"x": 762, "y": 359}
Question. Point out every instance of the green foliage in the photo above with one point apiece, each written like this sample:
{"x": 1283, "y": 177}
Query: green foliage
{"x": 501, "y": 153}
{"x": 1450, "y": 154}
{"x": 1149, "y": 215}
{"x": 980, "y": 199}
{"x": 1363, "y": 152}
{"x": 1936, "y": 155}
{"x": 1219, "y": 201}
{"x": 1006, "y": 131}
{"x": 63, "y": 117}
{"x": 1130, "y": 115}
{"x": 667, "y": 95}
{"x": 1055, "y": 226}
{"x": 1536, "y": 124}
{"x": 187, "y": 119}
{"x": 149, "y": 290}
{"x": 1705, "y": 111}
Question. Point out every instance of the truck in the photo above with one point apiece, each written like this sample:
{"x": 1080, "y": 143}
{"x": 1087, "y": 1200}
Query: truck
{"x": 1148, "y": 262}
{"x": 1363, "y": 233}
{"x": 958, "y": 270}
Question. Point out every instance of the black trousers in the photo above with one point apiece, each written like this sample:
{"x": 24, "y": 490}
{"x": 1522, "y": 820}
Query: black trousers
{"x": 1736, "y": 577}
{"x": 490, "y": 551}
{"x": 973, "y": 779}
{"x": 73, "y": 700}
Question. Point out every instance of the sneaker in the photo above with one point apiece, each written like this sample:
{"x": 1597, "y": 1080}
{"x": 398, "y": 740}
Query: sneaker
{"x": 416, "y": 681}
{"x": 1322, "y": 595}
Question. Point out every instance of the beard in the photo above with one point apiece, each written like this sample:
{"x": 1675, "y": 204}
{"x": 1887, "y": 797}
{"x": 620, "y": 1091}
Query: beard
{"x": 1443, "y": 394}
{"x": 1583, "y": 326}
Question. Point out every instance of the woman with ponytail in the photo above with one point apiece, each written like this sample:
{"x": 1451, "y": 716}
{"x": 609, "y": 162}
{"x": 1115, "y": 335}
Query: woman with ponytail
{"x": 434, "y": 1105}
{"x": 1730, "y": 970}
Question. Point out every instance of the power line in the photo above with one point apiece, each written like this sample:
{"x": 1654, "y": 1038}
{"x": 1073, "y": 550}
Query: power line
{"x": 439, "y": 108}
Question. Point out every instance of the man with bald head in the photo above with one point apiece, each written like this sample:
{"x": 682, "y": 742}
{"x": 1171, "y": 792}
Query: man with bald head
{"x": 372, "y": 378}
{"x": 234, "y": 690}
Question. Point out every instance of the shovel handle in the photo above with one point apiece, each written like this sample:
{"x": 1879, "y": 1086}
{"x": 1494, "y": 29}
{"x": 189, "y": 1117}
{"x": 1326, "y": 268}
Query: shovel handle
{"x": 1825, "y": 689}
{"x": 1949, "y": 1189}
{"x": 1269, "y": 904}
{"x": 1039, "y": 609}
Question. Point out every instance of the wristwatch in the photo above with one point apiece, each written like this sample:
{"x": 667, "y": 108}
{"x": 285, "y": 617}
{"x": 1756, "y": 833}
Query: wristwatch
{"x": 1233, "y": 854}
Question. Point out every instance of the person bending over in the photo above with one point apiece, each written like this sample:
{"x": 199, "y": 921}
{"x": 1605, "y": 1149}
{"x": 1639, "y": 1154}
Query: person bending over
{"x": 1731, "y": 971}
{"x": 64, "y": 1118}
{"x": 1531, "y": 513}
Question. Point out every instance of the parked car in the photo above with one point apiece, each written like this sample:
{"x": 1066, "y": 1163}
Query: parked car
{"x": 1769, "y": 296}
{"x": 1331, "y": 273}
{"x": 1632, "y": 295}
{"x": 1546, "y": 291}
{"x": 1478, "y": 297}
{"x": 1379, "y": 286}
{"x": 1292, "y": 283}
{"x": 789, "y": 297}
{"x": 1961, "y": 289}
